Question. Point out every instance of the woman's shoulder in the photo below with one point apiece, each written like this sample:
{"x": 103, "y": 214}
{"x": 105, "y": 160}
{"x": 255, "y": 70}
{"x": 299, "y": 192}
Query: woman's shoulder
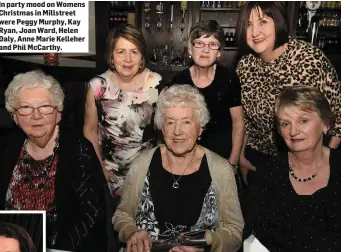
{"x": 217, "y": 163}
{"x": 226, "y": 72}
{"x": 99, "y": 84}
{"x": 245, "y": 62}
{"x": 182, "y": 77}
{"x": 303, "y": 51}
{"x": 152, "y": 79}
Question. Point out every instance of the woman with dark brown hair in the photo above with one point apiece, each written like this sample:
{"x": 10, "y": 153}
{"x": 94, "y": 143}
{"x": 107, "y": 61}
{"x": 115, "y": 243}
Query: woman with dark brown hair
{"x": 15, "y": 239}
{"x": 271, "y": 62}
{"x": 119, "y": 104}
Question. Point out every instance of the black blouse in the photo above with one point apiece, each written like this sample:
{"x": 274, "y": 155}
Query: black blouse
{"x": 180, "y": 206}
{"x": 285, "y": 221}
{"x": 222, "y": 94}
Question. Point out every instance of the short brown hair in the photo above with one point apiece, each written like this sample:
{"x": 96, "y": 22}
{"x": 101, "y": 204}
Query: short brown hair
{"x": 306, "y": 98}
{"x": 275, "y": 10}
{"x": 132, "y": 34}
{"x": 208, "y": 28}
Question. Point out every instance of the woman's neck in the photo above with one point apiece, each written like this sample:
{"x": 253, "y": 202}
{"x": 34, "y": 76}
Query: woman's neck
{"x": 181, "y": 160}
{"x": 130, "y": 83}
{"x": 309, "y": 159}
{"x": 274, "y": 54}
{"x": 202, "y": 76}
{"x": 40, "y": 148}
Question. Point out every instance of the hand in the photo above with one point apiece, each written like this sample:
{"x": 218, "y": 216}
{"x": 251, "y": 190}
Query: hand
{"x": 244, "y": 166}
{"x": 186, "y": 249}
{"x": 139, "y": 241}
{"x": 109, "y": 174}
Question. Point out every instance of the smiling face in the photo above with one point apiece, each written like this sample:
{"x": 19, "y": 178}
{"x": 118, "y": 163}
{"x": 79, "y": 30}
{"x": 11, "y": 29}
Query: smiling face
{"x": 9, "y": 245}
{"x": 204, "y": 57}
{"x": 180, "y": 129}
{"x": 261, "y": 33}
{"x": 127, "y": 59}
{"x": 36, "y": 125}
{"x": 301, "y": 130}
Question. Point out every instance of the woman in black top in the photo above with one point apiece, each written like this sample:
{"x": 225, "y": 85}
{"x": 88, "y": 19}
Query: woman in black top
{"x": 295, "y": 203}
{"x": 220, "y": 87}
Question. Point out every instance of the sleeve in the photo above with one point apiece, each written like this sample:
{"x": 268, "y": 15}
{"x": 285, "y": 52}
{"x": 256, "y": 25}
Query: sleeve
{"x": 123, "y": 219}
{"x": 229, "y": 236}
{"x": 234, "y": 90}
{"x": 332, "y": 91}
{"x": 98, "y": 85}
{"x": 89, "y": 186}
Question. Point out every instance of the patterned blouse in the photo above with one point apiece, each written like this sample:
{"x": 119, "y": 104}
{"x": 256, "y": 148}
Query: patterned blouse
{"x": 35, "y": 191}
{"x": 261, "y": 82}
{"x": 122, "y": 118}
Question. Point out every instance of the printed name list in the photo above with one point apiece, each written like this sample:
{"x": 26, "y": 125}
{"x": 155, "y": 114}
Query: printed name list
{"x": 44, "y": 26}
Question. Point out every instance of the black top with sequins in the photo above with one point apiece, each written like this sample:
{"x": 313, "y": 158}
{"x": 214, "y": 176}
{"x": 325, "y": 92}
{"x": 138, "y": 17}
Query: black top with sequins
{"x": 285, "y": 221}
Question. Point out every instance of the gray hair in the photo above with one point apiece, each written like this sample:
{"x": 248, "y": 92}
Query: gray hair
{"x": 31, "y": 80}
{"x": 185, "y": 95}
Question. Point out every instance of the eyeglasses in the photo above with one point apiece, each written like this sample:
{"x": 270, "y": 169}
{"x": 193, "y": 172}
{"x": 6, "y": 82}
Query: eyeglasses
{"x": 211, "y": 45}
{"x": 28, "y": 110}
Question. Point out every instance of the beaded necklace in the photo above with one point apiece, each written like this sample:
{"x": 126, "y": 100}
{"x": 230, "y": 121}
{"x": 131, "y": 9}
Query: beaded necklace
{"x": 29, "y": 175}
{"x": 292, "y": 173}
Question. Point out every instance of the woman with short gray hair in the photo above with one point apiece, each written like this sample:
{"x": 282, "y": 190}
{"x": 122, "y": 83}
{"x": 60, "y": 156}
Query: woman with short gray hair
{"x": 47, "y": 167}
{"x": 186, "y": 95}
{"x": 180, "y": 186}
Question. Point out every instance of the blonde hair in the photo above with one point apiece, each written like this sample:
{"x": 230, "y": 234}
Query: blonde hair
{"x": 306, "y": 98}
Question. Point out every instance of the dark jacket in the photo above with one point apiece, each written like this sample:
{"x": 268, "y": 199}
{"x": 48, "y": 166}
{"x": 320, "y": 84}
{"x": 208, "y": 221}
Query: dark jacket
{"x": 80, "y": 190}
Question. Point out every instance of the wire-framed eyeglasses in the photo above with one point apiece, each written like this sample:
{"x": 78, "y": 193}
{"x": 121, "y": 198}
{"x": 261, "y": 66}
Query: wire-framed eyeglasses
{"x": 28, "y": 110}
{"x": 211, "y": 45}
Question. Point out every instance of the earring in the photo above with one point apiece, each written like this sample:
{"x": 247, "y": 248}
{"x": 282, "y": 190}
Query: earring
{"x": 218, "y": 58}
{"x": 140, "y": 66}
{"x": 190, "y": 56}
{"x": 199, "y": 138}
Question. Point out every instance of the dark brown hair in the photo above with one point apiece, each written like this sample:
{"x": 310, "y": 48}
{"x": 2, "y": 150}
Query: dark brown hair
{"x": 18, "y": 233}
{"x": 275, "y": 10}
{"x": 208, "y": 28}
{"x": 130, "y": 33}
{"x": 306, "y": 98}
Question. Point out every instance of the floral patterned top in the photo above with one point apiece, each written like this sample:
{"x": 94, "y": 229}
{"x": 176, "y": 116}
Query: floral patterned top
{"x": 122, "y": 118}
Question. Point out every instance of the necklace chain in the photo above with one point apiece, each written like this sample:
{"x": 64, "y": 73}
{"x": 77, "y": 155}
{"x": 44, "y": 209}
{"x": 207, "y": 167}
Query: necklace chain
{"x": 29, "y": 176}
{"x": 292, "y": 173}
{"x": 176, "y": 181}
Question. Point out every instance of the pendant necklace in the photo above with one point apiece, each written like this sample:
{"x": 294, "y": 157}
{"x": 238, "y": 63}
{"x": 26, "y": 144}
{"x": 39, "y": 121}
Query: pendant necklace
{"x": 176, "y": 181}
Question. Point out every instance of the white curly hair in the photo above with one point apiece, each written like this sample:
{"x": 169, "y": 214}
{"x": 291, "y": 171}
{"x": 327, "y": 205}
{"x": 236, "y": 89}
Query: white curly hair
{"x": 185, "y": 95}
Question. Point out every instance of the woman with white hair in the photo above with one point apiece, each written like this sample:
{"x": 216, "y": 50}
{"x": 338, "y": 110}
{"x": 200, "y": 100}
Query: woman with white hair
{"x": 45, "y": 167}
{"x": 180, "y": 186}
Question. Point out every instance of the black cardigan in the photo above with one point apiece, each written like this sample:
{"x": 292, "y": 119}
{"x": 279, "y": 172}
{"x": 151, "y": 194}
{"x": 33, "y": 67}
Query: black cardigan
{"x": 80, "y": 190}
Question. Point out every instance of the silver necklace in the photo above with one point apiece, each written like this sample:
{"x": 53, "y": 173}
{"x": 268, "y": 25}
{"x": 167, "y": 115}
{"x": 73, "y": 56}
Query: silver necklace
{"x": 176, "y": 181}
{"x": 292, "y": 173}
